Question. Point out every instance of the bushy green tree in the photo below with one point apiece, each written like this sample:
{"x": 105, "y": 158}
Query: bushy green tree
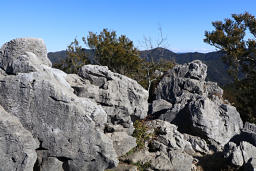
{"x": 118, "y": 53}
{"x": 76, "y": 57}
{"x": 236, "y": 37}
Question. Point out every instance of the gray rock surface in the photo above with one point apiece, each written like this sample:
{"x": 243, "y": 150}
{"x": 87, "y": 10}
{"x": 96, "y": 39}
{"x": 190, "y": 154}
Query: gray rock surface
{"x": 250, "y": 165}
{"x": 122, "y": 142}
{"x": 17, "y": 145}
{"x": 160, "y": 106}
{"x": 197, "y": 106}
{"x": 23, "y": 55}
{"x": 168, "y": 150}
{"x": 67, "y": 126}
{"x": 198, "y": 144}
{"x": 45, "y": 163}
{"x": 241, "y": 154}
{"x": 234, "y": 154}
{"x": 121, "y": 97}
{"x": 52, "y": 164}
{"x": 125, "y": 167}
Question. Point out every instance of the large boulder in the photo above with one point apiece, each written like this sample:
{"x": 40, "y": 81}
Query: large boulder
{"x": 17, "y": 145}
{"x": 69, "y": 128}
{"x": 23, "y": 55}
{"x": 123, "y": 99}
{"x": 198, "y": 106}
{"x": 242, "y": 154}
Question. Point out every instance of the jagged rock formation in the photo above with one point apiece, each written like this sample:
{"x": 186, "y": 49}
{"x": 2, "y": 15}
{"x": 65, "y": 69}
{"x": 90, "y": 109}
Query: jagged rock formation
{"x": 68, "y": 127}
{"x": 55, "y": 121}
{"x": 23, "y": 55}
{"x": 123, "y": 99}
{"x": 197, "y": 106}
{"x": 241, "y": 150}
{"x": 169, "y": 149}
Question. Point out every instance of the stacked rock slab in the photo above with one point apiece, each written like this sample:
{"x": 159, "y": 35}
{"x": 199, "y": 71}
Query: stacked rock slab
{"x": 123, "y": 99}
{"x": 197, "y": 106}
{"x": 68, "y": 128}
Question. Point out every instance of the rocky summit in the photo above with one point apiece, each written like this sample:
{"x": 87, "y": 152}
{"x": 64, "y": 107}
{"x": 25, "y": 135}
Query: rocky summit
{"x": 101, "y": 120}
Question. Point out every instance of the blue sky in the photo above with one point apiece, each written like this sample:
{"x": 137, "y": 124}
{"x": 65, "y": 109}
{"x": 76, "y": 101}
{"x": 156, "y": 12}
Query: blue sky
{"x": 58, "y": 22}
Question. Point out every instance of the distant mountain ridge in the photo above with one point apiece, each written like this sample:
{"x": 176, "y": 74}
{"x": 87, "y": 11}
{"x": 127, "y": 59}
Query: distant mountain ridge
{"x": 217, "y": 70}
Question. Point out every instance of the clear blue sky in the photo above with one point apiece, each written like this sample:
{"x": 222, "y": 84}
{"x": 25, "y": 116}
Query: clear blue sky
{"x": 58, "y": 22}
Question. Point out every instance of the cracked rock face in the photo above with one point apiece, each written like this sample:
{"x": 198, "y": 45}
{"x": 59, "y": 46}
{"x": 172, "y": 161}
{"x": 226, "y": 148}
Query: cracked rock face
{"x": 68, "y": 127}
{"x": 17, "y": 145}
{"x": 122, "y": 98}
{"x": 197, "y": 106}
{"x": 23, "y": 55}
{"x": 242, "y": 154}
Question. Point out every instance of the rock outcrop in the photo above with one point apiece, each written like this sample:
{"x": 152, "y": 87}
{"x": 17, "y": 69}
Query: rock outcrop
{"x": 168, "y": 149}
{"x": 241, "y": 154}
{"x": 197, "y": 106}
{"x": 55, "y": 121}
{"x": 23, "y": 55}
{"x": 69, "y": 128}
{"x": 123, "y": 99}
{"x": 17, "y": 145}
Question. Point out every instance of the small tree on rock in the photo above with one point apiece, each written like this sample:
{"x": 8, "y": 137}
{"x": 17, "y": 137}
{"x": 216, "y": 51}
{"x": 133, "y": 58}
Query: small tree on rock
{"x": 118, "y": 53}
{"x": 236, "y": 37}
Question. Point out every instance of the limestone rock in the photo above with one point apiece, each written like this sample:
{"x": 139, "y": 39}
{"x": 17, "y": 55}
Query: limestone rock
{"x": 120, "y": 96}
{"x": 168, "y": 150}
{"x": 234, "y": 154}
{"x": 123, "y": 99}
{"x": 248, "y": 151}
{"x": 197, "y": 106}
{"x": 217, "y": 122}
{"x": 241, "y": 154}
{"x": 198, "y": 144}
{"x": 17, "y": 145}
{"x": 160, "y": 106}
{"x": 250, "y": 165}
{"x": 67, "y": 126}
{"x": 122, "y": 142}
{"x": 23, "y": 55}
{"x": 45, "y": 163}
{"x": 125, "y": 167}
{"x": 180, "y": 161}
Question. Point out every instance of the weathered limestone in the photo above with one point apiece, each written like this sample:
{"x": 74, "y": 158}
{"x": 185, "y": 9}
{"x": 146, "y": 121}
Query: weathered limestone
{"x": 240, "y": 155}
{"x": 23, "y": 55}
{"x": 67, "y": 126}
{"x": 123, "y": 99}
{"x": 168, "y": 149}
{"x": 122, "y": 142}
{"x": 197, "y": 106}
{"x": 17, "y": 145}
